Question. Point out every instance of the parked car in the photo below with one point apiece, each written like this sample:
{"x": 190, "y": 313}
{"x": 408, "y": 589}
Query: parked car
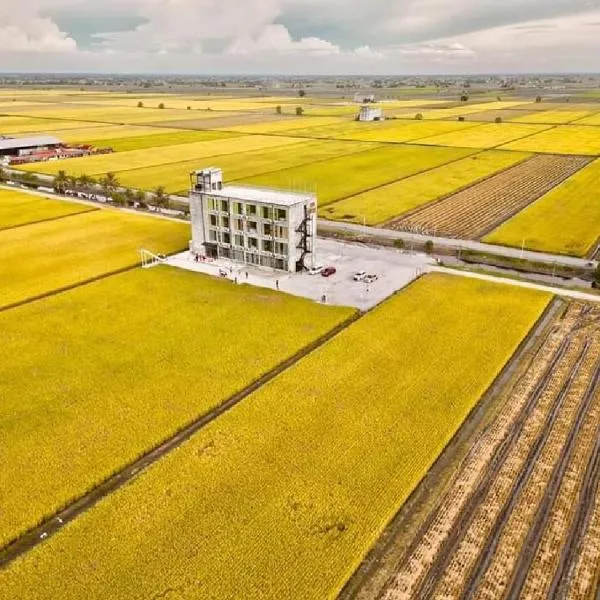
{"x": 315, "y": 270}
{"x": 359, "y": 275}
{"x": 328, "y": 271}
{"x": 370, "y": 278}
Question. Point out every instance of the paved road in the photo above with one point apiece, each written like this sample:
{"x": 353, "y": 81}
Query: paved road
{"x": 568, "y": 261}
{"x": 526, "y": 284}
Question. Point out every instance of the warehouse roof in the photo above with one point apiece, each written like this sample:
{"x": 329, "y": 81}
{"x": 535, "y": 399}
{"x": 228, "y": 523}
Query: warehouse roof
{"x": 28, "y": 142}
{"x": 264, "y": 195}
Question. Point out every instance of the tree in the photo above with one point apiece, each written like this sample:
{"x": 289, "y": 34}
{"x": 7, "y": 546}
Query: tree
{"x": 140, "y": 198}
{"x": 109, "y": 184}
{"x": 60, "y": 182}
{"x": 189, "y": 108}
{"x": 429, "y": 246}
{"x": 419, "y": 116}
{"x": 140, "y": 104}
{"x": 498, "y": 120}
{"x": 129, "y": 197}
{"x": 464, "y": 98}
{"x": 3, "y": 175}
{"x": 461, "y": 118}
{"x": 161, "y": 105}
{"x": 301, "y": 93}
{"x": 161, "y": 199}
{"x": 399, "y": 244}
{"x": 299, "y": 111}
{"x": 119, "y": 199}
{"x": 538, "y": 99}
{"x": 30, "y": 180}
{"x": 85, "y": 183}
{"x": 278, "y": 110}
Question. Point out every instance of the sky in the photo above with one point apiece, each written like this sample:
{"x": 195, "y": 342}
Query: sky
{"x": 300, "y": 36}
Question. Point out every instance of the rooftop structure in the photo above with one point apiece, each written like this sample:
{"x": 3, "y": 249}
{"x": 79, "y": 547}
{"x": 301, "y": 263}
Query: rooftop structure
{"x": 10, "y": 145}
{"x": 252, "y": 225}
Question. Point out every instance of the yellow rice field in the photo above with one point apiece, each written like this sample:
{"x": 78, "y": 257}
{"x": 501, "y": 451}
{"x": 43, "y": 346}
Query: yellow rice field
{"x": 384, "y": 203}
{"x": 555, "y": 117}
{"x": 565, "y": 139}
{"x": 564, "y": 221}
{"x": 282, "y": 496}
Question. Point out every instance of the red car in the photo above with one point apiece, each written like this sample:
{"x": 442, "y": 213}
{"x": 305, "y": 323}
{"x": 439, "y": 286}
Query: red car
{"x": 327, "y": 271}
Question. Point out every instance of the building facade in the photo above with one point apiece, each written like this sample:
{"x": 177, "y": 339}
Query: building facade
{"x": 250, "y": 225}
{"x": 370, "y": 113}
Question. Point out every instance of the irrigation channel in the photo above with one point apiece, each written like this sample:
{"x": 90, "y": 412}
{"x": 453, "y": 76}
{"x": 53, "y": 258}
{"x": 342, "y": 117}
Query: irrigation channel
{"x": 520, "y": 518}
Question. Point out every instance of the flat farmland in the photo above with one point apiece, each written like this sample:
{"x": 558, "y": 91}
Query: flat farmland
{"x": 231, "y": 122}
{"x": 96, "y": 134}
{"x": 562, "y": 139}
{"x": 286, "y": 124}
{"x": 26, "y": 125}
{"x": 123, "y": 364}
{"x": 345, "y": 176}
{"x": 591, "y": 120}
{"x": 18, "y": 209}
{"x": 389, "y": 201}
{"x": 564, "y": 221}
{"x": 43, "y": 257}
{"x": 242, "y": 164}
{"x": 466, "y": 109}
{"x": 489, "y": 135}
{"x": 489, "y": 116}
{"x": 556, "y": 117}
{"x": 384, "y": 131}
{"x": 519, "y": 518}
{"x": 475, "y": 211}
{"x": 330, "y": 450}
{"x": 135, "y": 159}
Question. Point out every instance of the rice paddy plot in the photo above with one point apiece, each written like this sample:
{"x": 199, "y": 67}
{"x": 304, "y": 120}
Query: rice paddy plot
{"x": 123, "y": 364}
{"x": 389, "y": 201}
{"x": 556, "y": 117}
{"x": 44, "y": 257}
{"x": 242, "y": 164}
{"x": 18, "y": 208}
{"x": 26, "y": 126}
{"x": 345, "y": 176}
{"x": 564, "y": 221}
{"x": 591, "y": 120}
{"x": 135, "y": 159}
{"x": 96, "y": 134}
{"x": 489, "y": 135}
{"x": 309, "y": 469}
{"x": 489, "y": 116}
{"x": 286, "y": 124}
{"x": 383, "y": 131}
{"x": 562, "y": 139}
{"x": 466, "y": 109}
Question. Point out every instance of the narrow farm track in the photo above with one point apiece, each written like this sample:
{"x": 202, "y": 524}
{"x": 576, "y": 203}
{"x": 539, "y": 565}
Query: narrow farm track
{"x": 474, "y": 212}
{"x": 527, "y": 478}
{"x": 53, "y": 524}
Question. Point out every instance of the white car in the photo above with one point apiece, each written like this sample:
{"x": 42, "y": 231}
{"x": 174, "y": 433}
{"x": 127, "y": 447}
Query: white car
{"x": 370, "y": 278}
{"x": 359, "y": 275}
{"x": 315, "y": 270}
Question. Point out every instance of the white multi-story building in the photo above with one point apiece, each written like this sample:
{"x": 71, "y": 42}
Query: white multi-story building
{"x": 251, "y": 225}
{"x": 370, "y": 113}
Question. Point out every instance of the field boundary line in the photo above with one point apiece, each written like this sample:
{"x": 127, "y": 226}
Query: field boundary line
{"x": 463, "y": 188}
{"x": 475, "y": 421}
{"x": 49, "y": 219}
{"x": 72, "y": 286}
{"x": 53, "y": 523}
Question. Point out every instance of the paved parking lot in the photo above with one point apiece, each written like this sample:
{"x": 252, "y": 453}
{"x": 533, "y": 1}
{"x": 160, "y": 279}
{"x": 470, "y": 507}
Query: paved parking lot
{"x": 394, "y": 270}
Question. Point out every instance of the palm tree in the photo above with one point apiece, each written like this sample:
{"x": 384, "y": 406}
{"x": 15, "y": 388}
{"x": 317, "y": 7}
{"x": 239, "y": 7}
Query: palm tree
{"x": 109, "y": 184}
{"x": 60, "y": 182}
{"x": 72, "y": 183}
{"x": 161, "y": 199}
{"x": 86, "y": 183}
{"x": 129, "y": 196}
{"x": 140, "y": 198}
{"x": 3, "y": 175}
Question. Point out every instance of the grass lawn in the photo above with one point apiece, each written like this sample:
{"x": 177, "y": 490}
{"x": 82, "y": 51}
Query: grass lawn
{"x": 564, "y": 221}
{"x": 92, "y": 378}
{"x": 19, "y": 208}
{"x": 44, "y": 257}
{"x": 338, "y": 178}
{"x": 283, "y": 496}
{"x": 389, "y": 201}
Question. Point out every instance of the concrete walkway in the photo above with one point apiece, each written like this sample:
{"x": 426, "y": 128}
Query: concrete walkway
{"x": 574, "y": 294}
{"x": 569, "y": 261}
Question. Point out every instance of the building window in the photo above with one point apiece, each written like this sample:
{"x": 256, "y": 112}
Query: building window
{"x": 267, "y": 246}
{"x": 279, "y": 263}
{"x": 281, "y": 232}
{"x": 227, "y": 238}
{"x": 225, "y": 222}
{"x": 224, "y": 206}
{"x": 238, "y": 225}
{"x": 212, "y": 235}
{"x": 212, "y": 205}
{"x": 251, "y": 210}
{"x": 252, "y": 242}
{"x": 238, "y": 208}
{"x": 252, "y": 226}
{"x": 281, "y": 248}
{"x": 239, "y": 240}
{"x": 266, "y": 212}
{"x": 281, "y": 214}
{"x": 213, "y": 220}
{"x": 267, "y": 229}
